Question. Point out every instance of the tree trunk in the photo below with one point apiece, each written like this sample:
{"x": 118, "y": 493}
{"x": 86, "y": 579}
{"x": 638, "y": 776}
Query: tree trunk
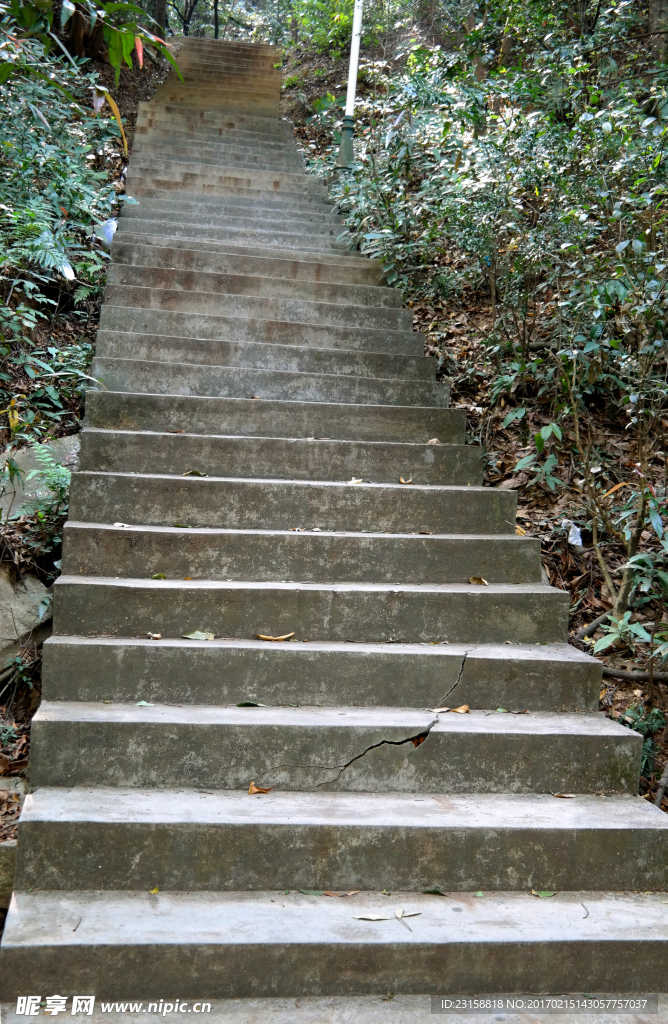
{"x": 161, "y": 18}
{"x": 75, "y": 41}
{"x": 215, "y": 19}
{"x": 658, "y": 22}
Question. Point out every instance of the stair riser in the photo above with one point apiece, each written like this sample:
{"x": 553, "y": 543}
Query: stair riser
{"x": 352, "y": 675}
{"x": 258, "y": 238}
{"x": 233, "y": 970}
{"x": 109, "y": 410}
{"x": 290, "y": 359}
{"x": 250, "y": 504}
{"x": 85, "y": 608}
{"x": 279, "y": 458}
{"x": 139, "y": 754}
{"x": 238, "y": 382}
{"x": 266, "y": 332}
{"x": 286, "y": 310}
{"x": 175, "y": 178}
{"x": 250, "y": 857}
{"x": 167, "y": 118}
{"x": 185, "y": 134}
{"x": 155, "y": 251}
{"x": 197, "y": 282}
{"x": 193, "y": 97}
{"x": 305, "y": 210}
{"x": 304, "y": 558}
{"x": 226, "y": 156}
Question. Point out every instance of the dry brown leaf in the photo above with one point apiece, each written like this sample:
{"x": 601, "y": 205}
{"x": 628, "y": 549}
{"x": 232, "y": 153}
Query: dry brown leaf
{"x": 438, "y": 711}
{"x": 463, "y": 709}
{"x": 479, "y": 581}
{"x": 258, "y": 789}
{"x": 402, "y": 481}
{"x": 353, "y": 892}
{"x": 287, "y": 636}
{"x": 434, "y": 440}
{"x": 564, "y": 796}
{"x": 520, "y": 532}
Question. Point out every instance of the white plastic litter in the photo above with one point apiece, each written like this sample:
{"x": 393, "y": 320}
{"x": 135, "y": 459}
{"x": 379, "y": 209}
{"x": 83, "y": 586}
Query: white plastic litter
{"x": 574, "y": 534}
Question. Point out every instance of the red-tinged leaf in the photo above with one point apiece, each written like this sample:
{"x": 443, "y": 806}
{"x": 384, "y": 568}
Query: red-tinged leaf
{"x": 139, "y": 47}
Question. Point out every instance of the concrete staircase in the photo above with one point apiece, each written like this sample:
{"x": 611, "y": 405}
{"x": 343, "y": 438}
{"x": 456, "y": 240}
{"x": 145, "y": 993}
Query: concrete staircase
{"x": 240, "y": 475}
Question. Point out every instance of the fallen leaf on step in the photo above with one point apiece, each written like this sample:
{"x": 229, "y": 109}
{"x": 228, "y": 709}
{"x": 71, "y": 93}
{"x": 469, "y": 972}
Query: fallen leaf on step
{"x": 427, "y": 533}
{"x": 168, "y": 431}
{"x": 479, "y": 581}
{"x": 312, "y": 892}
{"x": 193, "y": 472}
{"x": 258, "y": 789}
{"x": 353, "y": 480}
{"x": 371, "y": 917}
{"x": 143, "y": 704}
{"x": 154, "y": 636}
{"x": 478, "y": 894}
{"x": 463, "y": 709}
{"x": 564, "y": 796}
{"x": 250, "y": 704}
{"x": 183, "y": 526}
{"x": 400, "y": 912}
{"x": 439, "y": 711}
{"x": 543, "y": 894}
{"x": 353, "y": 892}
{"x": 154, "y": 892}
{"x": 434, "y": 440}
{"x": 123, "y": 526}
{"x": 402, "y": 481}
{"x": 434, "y": 892}
{"x": 159, "y": 576}
{"x": 502, "y": 711}
{"x": 255, "y": 396}
{"x": 199, "y": 634}
{"x": 261, "y": 636}
{"x": 520, "y": 532}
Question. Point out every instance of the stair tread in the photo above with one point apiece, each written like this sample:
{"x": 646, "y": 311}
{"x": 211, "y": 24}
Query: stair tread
{"x": 422, "y": 811}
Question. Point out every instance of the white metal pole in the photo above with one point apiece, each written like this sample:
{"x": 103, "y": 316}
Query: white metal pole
{"x": 345, "y": 157}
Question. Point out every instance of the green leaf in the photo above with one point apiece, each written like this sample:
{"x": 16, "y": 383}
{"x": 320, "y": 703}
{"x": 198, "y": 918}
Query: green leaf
{"x": 198, "y": 634}
{"x": 434, "y": 892}
{"x": 543, "y": 894}
{"x": 66, "y": 12}
{"x": 514, "y": 414}
{"x": 605, "y": 642}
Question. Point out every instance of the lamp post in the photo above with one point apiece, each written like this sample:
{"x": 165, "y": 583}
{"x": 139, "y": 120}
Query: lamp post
{"x": 345, "y": 157}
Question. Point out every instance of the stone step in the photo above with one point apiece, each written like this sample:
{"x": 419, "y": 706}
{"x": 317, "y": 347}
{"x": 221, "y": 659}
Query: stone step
{"x": 323, "y": 231}
{"x": 207, "y": 327}
{"x": 244, "y": 235}
{"x": 279, "y": 458}
{"x": 211, "y": 100}
{"x": 372, "y": 612}
{"x": 244, "y": 503}
{"x": 181, "y": 279}
{"x": 156, "y": 251}
{"x": 184, "y": 840}
{"x": 145, "y": 187}
{"x": 221, "y": 155}
{"x": 259, "y": 418}
{"x": 336, "y": 749}
{"x": 98, "y": 549}
{"x": 242, "y": 382}
{"x": 126, "y": 942}
{"x": 184, "y": 118}
{"x": 202, "y": 179}
{"x": 292, "y": 358}
{"x": 554, "y": 677}
{"x": 158, "y": 288}
{"x": 316, "y": 212}
{"x": 208, "y": 178}
{"x": 184, "y": 133}
{"x": 242, "y": 212}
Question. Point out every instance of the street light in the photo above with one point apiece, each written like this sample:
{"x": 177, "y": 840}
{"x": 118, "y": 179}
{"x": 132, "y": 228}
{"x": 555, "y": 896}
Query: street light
{"x": 346, "y": 156}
